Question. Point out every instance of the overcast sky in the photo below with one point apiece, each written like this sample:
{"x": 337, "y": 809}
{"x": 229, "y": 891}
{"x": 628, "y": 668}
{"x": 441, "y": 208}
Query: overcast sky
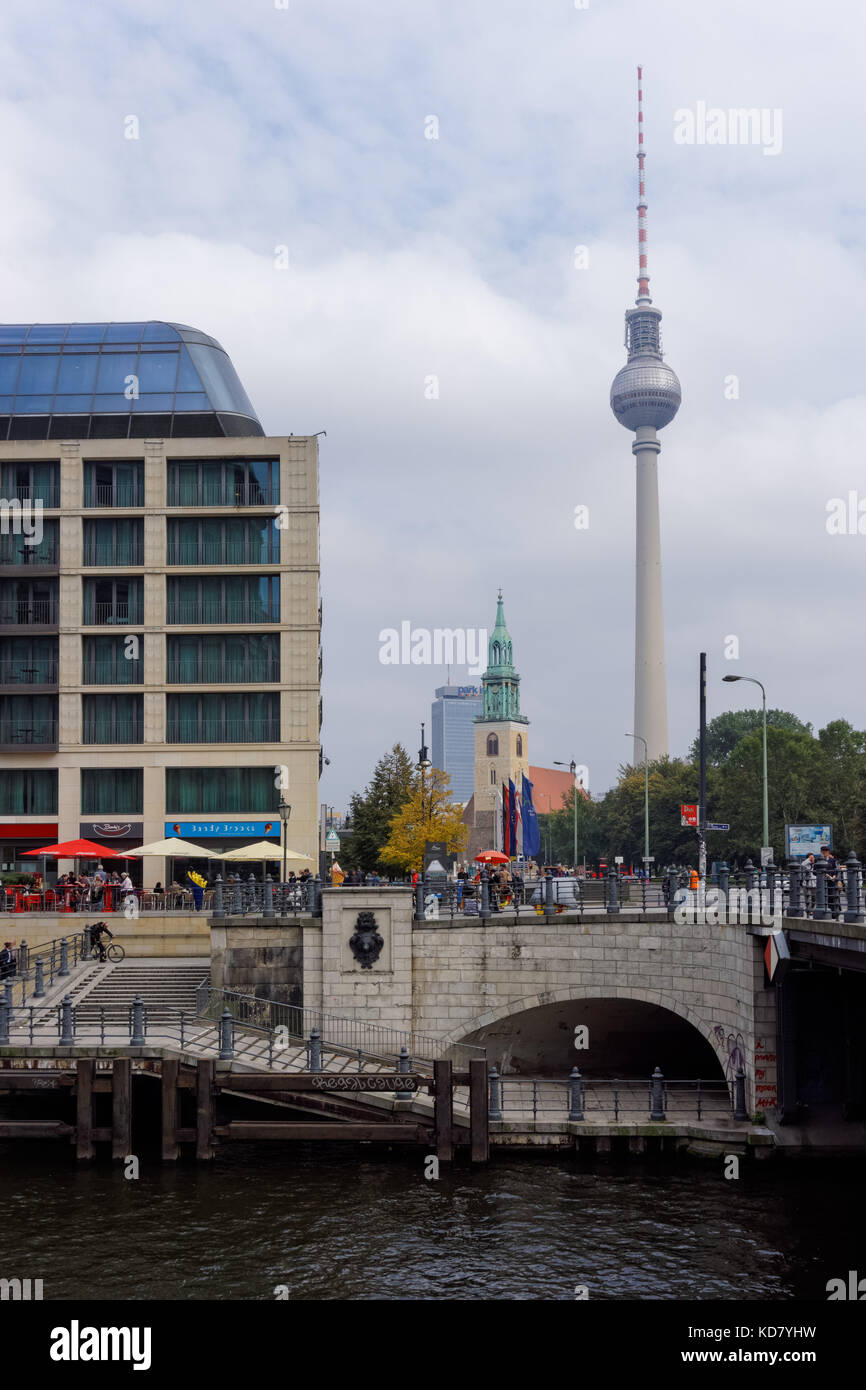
{"x": 454, "y": 258}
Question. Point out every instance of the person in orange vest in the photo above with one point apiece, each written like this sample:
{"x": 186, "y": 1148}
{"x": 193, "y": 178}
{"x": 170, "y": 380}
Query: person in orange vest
{"x": 693, "y": 880}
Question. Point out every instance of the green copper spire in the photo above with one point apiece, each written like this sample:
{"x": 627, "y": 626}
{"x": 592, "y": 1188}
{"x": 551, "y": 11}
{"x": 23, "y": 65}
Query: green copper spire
{"x": 500, "y": 682}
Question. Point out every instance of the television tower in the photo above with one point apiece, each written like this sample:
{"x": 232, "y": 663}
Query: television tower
{"x": 645, "y": 396}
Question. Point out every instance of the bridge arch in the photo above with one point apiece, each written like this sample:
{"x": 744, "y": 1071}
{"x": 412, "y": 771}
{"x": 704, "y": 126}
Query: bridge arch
{"x": 577, "y": 993}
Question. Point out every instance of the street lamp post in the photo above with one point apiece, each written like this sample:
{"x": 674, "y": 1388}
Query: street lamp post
{"x": 285, "y": 811}
{"x": 423, "y": 764}
{"x": 572, "y": 767}
{"x": 753, "y": 681}
{"x": 646, "y": 853}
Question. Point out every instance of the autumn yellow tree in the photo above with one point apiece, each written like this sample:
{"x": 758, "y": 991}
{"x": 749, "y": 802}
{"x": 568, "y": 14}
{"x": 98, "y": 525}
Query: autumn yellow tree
{"x": 429, "y": 814}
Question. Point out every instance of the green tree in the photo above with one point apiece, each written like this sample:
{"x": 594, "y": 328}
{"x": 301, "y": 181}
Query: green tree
{"x": 725, "y": 731}
{"x": 800, "y": 789}
{"x": 371, "y": 812}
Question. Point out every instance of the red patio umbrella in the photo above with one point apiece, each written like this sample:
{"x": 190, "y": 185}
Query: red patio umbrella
{"x": 76, "y": 849}
{"x": 491, "y": 856}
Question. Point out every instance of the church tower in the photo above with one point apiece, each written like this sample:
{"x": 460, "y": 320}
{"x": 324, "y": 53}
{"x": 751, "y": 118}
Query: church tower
{"x": 501, "y": 739}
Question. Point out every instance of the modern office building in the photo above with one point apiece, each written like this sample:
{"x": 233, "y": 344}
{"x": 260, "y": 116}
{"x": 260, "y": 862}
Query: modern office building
{"x": 454, "y": 711}
{"x": 160, "y": 615}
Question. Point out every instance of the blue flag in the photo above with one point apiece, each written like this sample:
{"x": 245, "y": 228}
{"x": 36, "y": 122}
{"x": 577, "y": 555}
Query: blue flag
{"x": 531, "y": 833}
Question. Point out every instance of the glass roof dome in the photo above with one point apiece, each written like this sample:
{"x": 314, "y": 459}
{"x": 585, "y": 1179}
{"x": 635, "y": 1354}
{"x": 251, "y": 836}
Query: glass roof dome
{"x": 115, "y": 380}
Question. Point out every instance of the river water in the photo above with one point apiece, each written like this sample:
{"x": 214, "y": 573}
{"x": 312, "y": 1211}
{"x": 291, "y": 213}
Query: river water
{"x": 356, "y": 1226}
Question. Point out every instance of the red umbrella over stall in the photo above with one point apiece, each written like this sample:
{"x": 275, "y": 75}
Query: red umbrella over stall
{"x": 76, "y": 849}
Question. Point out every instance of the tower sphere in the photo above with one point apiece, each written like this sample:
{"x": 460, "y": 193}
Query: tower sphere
{"x": 645, "y": 393}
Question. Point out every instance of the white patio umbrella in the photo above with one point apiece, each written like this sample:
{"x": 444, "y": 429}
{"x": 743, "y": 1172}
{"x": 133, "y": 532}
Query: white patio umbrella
{"x": 162, "y": 848}
{"x": 264, "y": 849}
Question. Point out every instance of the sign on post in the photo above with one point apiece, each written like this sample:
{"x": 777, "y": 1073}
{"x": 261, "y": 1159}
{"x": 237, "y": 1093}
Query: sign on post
{"x": 718, "y": 825}
{"x": 689, "y": 815}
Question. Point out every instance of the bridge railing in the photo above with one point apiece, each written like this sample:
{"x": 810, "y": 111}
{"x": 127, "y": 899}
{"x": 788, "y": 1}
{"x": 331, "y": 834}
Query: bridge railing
{"x": 625, "y": 1100}
{"x": 822, "y": 892}
{"x": 337, "y": 1031}
{"x": 438, "y": 899}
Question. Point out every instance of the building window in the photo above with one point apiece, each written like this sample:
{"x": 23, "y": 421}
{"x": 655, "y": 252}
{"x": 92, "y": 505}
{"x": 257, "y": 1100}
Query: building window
{"x": 493, "y": 776}
{"x": 106, "y": 660}
{"x": 252, "y": 717}
{"x": 114, "y": 484}
{"x": 492, "y": 745}
{"x": 28, "y": 661}
{"x": 224, "y": 599}
{"x": 26, "y": 719}
{"x": 220, "y": 791}
{"x": 223, "y": 482}
{"x": 24, "y": 792}
{"x": 28, "y": 603}
{"x": 237, "y": 657}
{"x": 19, "y": 550}
{"x": 520, "y": 745}
{"x": 114, "y": 542}
{"x": 112, "y": 718}
{"x": 223, "y": 541}
{"x": 112, "y": 791}
{"x": 114, "y": 602}
{"x": 29, "y": 482}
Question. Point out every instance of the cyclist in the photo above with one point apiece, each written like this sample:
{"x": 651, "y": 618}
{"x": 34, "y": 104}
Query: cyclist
{"x": 97, "y": 932}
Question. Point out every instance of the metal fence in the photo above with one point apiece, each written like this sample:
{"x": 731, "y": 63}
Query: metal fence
{"x": 337, "y": 1032}
{"x": 516, "y": 1099}
{"x": 36, "y": 967}
{"x": 437, "y": 899}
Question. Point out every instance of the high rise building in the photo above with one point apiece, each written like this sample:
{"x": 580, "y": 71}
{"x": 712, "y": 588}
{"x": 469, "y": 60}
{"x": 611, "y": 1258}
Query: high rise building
{"x": 160, "y": 622}
{"x": 645, "y": 396}
{"x": 453, "y": 735}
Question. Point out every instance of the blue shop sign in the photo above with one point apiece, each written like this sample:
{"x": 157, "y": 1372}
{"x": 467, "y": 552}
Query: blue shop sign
{"x": 203, "y": 829}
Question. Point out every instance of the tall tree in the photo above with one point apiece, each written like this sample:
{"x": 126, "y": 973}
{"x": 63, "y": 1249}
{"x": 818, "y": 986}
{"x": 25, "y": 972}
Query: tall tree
{"x": 725, "y": 731}
{"x": 371, "y": 812}
{"x": 430, "y": 814}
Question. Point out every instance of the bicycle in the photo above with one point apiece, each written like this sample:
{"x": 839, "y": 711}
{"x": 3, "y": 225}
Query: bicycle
{"x": 113, "y": 952}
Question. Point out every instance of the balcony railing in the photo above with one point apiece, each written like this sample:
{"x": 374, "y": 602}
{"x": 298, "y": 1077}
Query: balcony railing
{"x": 16, "y": 551}
{"x": 28, "y": 613}
{"x": 180, "y": 495}
{"x": 122, "y": 731}
{"x": 48, "y": 495}
{"x": 212, "y": 553}
{"x": 122, "y": 556}
{"x": 113, "y": 495}
{"x": 223, "y": 731}
{"x": 222, "y": 673}
{"x": 113, "y": 672}
{"x": 28, "y": 671}
{"x": 28, "y": 731}
{"x": 112, "y": 614}
{"x": 194, "y": 613}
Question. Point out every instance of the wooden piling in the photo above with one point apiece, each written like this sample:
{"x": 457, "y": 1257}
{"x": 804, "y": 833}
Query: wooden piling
{"x": 204, "y": 1109}
{"x": 121, "y": 1109}
{"x": 479, "y": 1127}
{"x": 170, "y": 1149}
{"x": 443, "y": 1111}
{"x": 84, "y": 1150}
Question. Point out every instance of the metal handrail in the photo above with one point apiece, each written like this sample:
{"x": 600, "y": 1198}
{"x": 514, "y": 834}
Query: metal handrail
{"x": 337, "y": 1032}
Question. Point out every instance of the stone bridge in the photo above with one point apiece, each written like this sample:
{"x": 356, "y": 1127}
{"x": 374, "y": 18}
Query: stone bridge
{"x": 648, "y": 991}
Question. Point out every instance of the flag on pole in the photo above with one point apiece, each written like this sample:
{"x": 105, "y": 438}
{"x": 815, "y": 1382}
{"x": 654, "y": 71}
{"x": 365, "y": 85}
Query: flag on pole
{"x": 506, "y": 818}
{"x": 497, "y": 820}
{"x": 531, "y": 832}
{"x": 518, "y": 820}
{"x": 511, "y": 847}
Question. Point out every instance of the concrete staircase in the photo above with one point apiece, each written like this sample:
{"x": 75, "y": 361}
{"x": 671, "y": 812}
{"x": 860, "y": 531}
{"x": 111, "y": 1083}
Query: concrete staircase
{"x": 165, "y": 986}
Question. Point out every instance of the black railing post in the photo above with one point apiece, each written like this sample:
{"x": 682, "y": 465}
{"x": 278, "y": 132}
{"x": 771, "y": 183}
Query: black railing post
{"x": 419, "y": 899}
{"x": 575, "y": 1107}
{"x": 613, "y": 881}
{"x": 740, "y": 1112}
{"x": 227, "y": 1037}
{"x": 39, "y": 981}
{"x": 218, "y": 909}
{"x": 315, "y": 1050}
{"x": 268, "y": 907}
{"x": 749, "y": 875}
{"x": 64, "y": 958}
{"x": 658, "y": 1096}
{"x": 67, "y": 1025}
{"x": 485, "y": 895}
{"x": 5, "y": 1013}
{"x": 317, "y": 896}
{"x": 404, "y": 1065}
{"x": 237, "y": 905}
{"x": 820, "y": 913}
{"x": 854, "y": 905}
{"x": 795, "y": 904}
{"x": 136, "y": 1036}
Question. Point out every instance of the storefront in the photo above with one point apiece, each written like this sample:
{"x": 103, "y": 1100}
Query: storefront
{"x": 120, "y": 836}
{"x": 216, "y": 835}
{"x": 15, "y": 838}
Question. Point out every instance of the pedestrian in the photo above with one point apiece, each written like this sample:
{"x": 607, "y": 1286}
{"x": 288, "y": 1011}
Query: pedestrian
{"x": 7, "y": 961}
{"x": 808, "y": 882}
{"x": 834, "y": 883}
